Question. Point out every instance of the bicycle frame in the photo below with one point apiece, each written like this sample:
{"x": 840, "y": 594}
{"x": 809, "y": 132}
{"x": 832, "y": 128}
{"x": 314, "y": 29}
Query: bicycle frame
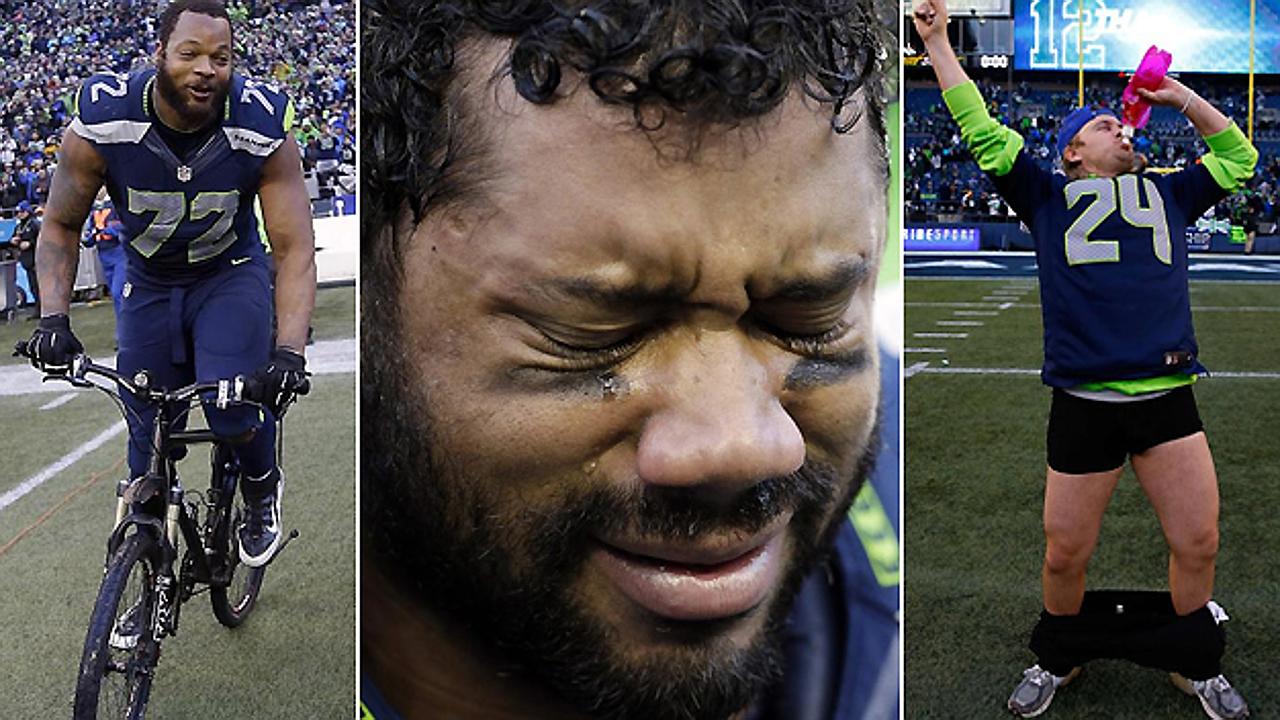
{"x": 156, "y": 502}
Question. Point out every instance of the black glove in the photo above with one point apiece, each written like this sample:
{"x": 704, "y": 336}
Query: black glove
{"x": 52, "y": 346}
{"x": 276, "y": 383}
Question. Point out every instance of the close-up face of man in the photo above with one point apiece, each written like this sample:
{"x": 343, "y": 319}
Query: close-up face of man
{"x": 194, "y": 67}
{"x": 629, "y": 388}
{"x": 1101, "y": 148}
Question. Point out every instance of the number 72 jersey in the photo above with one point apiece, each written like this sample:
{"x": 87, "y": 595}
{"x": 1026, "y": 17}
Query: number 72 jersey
{"x": 184, "y": 218}
{"x": 1112, "y": 256}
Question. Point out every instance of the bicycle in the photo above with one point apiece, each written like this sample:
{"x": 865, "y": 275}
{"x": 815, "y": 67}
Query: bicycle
{"x": 140, "y": 598}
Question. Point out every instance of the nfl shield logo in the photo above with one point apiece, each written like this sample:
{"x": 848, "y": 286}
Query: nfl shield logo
{"x": 184, "y": 173}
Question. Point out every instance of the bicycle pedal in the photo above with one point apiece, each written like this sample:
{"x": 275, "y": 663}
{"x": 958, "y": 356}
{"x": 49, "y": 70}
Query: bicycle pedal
{"x": 283, "y": 544}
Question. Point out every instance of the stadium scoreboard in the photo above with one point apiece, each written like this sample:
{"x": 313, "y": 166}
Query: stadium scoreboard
{"x": 1205, "y": 36}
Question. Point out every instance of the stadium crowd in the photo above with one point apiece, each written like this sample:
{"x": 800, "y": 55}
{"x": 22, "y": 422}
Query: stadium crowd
{"x": 942, "y": 179}
{"x": 48, "y": 47}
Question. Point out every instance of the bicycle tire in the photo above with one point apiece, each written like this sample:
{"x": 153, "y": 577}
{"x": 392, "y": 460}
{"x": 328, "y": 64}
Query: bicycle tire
{"x": 233, "y": 603}
{"x": 119, "y": 681}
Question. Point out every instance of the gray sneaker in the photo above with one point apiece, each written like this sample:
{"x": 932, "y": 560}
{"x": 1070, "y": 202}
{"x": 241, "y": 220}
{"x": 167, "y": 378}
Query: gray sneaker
{"x": 1035, "y": 692}
{"x": 1219, "y": 700}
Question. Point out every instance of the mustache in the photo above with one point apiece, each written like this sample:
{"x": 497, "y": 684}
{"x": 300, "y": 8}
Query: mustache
{"x": 682, "y": 513}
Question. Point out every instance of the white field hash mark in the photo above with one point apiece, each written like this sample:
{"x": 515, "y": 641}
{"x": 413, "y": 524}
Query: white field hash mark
{"x": 63, "y": 463}
{"x": 58, "y": 401}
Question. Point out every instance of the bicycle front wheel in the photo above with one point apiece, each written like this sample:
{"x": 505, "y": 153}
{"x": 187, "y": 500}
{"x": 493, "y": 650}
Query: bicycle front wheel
{"x": 120, "y": 650}
{"x": 233, "y": 603}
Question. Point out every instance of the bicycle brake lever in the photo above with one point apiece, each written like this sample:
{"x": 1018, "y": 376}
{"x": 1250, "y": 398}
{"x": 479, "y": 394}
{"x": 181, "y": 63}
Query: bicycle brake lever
{"x": 73, "y": 381}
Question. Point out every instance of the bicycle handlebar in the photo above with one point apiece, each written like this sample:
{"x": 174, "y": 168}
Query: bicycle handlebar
{"x": 239, "y": 389}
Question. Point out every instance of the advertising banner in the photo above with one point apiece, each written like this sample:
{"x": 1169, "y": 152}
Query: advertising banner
{"x": 1204, "y": 36}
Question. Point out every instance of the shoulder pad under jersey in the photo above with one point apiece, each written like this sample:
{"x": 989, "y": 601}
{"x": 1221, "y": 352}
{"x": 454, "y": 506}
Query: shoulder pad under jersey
{"x": 110, "y": 107}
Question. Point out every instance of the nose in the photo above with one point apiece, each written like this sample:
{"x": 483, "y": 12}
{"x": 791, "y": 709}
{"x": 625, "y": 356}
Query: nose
{"x": 203, "y": 66}
{"x": 720, "y": 424}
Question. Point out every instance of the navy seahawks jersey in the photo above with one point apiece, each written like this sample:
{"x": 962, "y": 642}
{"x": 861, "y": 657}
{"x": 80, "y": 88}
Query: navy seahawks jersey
{"x": 183, "y": 217}
{"x": 1113, "y": 269}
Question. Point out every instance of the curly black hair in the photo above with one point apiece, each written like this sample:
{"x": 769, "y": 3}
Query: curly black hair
{"x": 708, "y": 62}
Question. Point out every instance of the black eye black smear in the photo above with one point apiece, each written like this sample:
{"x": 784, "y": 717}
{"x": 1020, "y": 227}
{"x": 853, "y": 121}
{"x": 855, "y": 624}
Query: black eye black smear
{"x": 810, "y": 373}
{"x": 595, "y": 383}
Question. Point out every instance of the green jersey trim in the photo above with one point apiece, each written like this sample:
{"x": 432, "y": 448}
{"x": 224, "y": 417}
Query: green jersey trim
{"x": 1141, "y": 386}
{"x": 993, "y": 145}
{"x": 1231, "y": 158}
{"x": 880, "y": 542}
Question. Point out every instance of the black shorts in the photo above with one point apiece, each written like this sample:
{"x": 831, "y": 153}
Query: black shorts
{"x": 1088, "y": 436}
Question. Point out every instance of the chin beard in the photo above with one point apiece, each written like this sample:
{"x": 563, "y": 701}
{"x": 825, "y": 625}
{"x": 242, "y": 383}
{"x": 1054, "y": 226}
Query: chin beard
{"x": 449, "y": 547}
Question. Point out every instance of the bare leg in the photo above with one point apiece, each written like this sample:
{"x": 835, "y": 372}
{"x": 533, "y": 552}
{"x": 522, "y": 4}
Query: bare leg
{"x": 1179, "y": 479}
{"x": 1073, "y": 508}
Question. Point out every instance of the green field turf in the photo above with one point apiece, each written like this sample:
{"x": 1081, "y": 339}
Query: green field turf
{"x": 94, "y": 323}
{"x": 973, "y": 498}
{"x": 295, "y": 655}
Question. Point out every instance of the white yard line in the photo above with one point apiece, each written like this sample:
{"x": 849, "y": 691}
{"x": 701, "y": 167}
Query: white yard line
{"x": 949, "y": 304}
{"x": 58, "y": 401}
{"x": 1244, "y": 375}
{"x": 63, "y": 463}
{"x": 1006, "y": 305}
{"x": 959, "y": 336}
{"x": 913, "y": 369}
{"x": 960, "y": 323}
{"x": 1228, "y": 374}
{"x": 975, "y": 313}
{"x": 925, "y": 350}
{"x": 982, "y": 371}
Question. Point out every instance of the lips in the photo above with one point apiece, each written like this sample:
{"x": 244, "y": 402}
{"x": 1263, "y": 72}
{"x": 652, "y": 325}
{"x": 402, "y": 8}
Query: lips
{"x": 694, "y": 581}
{"x": 201, "y": 93}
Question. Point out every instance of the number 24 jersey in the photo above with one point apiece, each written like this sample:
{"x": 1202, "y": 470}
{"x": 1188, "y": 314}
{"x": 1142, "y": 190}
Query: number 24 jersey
{"x": 1112, "y": 255}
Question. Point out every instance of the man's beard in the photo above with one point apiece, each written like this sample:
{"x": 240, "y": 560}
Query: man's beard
{"x": 451, "y": 546}
{"x": 194, "y": 117}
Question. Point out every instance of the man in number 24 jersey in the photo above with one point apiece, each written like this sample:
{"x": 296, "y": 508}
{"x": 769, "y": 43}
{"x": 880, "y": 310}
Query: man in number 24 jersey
{"x": 183, "y": 149}
{"x": 1121, "y": 357}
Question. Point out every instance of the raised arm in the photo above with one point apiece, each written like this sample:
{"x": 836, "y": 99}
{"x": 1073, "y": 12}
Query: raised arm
{"x": 931, "y": 23}
{"x": 286, "y": 210}
{"x": 1231, "y": 158}
{"x": 72, "y": 190}
{"x": 994, "y": 146}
